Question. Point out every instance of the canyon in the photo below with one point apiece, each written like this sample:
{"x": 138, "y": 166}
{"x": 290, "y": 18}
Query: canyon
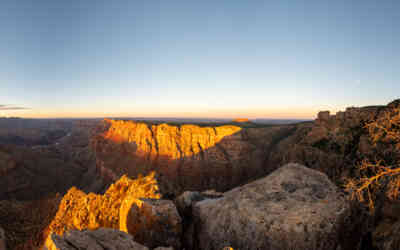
{"x": 197, "y": 168}
{"x": 193, "y": 157}
{"x": 187, "y": 157}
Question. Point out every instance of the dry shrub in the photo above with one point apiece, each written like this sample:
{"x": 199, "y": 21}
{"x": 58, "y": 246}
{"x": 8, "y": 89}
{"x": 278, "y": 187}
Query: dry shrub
{"x": 382, "y": 173}
{"x": 386, "y": 129}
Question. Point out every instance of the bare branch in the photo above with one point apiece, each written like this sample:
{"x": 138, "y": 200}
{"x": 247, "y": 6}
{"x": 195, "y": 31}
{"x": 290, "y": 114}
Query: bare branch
{"x": 377, "y": 175}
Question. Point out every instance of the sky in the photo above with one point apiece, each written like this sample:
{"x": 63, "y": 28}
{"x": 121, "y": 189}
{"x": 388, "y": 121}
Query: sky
{"x": 226, "y": 58}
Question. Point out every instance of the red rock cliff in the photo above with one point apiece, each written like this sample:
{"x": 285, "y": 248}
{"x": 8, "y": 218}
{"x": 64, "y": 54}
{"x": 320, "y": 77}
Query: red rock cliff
{"x": 186, "y": 157}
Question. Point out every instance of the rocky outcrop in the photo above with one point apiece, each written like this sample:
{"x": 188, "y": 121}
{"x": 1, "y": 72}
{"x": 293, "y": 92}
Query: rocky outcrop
{"x": 100, "y": 239}
{"x": 292, "y": 208}
{"x": 187, "y": 157}
{"x": 2, "y": 239}
{"x": 80, "y": 211}
{"x": 153, "y": 222}
{"x": 150, "y": 221}
{"x": 333, "y": 144}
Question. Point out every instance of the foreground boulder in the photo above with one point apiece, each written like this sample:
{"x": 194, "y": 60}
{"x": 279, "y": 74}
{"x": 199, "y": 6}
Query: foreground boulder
{"x": 292, "y": 208}
{"x": 2, "y": 239}
{"x": 103, "y": 238}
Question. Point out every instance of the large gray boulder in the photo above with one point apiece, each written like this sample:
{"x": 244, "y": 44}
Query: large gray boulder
{"x": 293, "y": 208}
{"x": 100, "y": 239}
{"x": 2, "y": 239}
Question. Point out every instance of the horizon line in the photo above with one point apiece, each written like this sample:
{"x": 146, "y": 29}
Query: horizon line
{"x": 159, "y": 117}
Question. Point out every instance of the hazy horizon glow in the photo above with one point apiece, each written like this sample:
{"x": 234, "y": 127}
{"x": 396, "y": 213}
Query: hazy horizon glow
{"x": 280, "y": 113}
{"x": 210, "y": 59}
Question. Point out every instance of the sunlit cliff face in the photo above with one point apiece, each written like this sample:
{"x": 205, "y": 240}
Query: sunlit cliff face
{"x": 166, "y": 140}
{"x": 81, "y": 211}
{"x": 186, "y": 157}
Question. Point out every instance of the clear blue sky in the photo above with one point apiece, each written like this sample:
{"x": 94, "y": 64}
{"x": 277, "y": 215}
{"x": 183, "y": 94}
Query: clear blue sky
{"x": 197, "y": 58}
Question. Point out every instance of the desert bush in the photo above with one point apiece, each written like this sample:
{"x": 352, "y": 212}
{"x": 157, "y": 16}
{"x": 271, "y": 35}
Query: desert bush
{"x": 379, "y": 173}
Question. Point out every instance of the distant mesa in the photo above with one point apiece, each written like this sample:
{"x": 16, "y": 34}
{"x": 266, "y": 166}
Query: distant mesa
{"x": 241, "y": 120}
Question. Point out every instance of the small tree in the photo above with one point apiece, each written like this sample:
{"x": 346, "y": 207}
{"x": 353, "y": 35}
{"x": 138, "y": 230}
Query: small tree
{"x": 381, "y": 174}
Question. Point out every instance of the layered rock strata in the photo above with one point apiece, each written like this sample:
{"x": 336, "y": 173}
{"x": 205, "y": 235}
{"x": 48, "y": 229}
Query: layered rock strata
{"x": 186, "y": 157}
{"x": 191, "y": 157}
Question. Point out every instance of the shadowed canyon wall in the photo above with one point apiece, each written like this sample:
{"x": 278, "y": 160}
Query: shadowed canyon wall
{"x": 191, "y": 157}
{"x": 187, "y": 157}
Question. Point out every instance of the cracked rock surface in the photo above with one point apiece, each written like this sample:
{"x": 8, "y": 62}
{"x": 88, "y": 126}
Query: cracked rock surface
{"x": 293, "y": 208}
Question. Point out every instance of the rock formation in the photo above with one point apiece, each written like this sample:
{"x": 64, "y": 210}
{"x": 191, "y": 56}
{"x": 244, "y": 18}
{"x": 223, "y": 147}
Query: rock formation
{"x": 100, "y": 239}
{"x": 151, "y": 222}
{"x": 191, "y": 157}
{"x": 187, "y": 157}
{"x": 292, "y": 208}
{"x": 333, "y": 144}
